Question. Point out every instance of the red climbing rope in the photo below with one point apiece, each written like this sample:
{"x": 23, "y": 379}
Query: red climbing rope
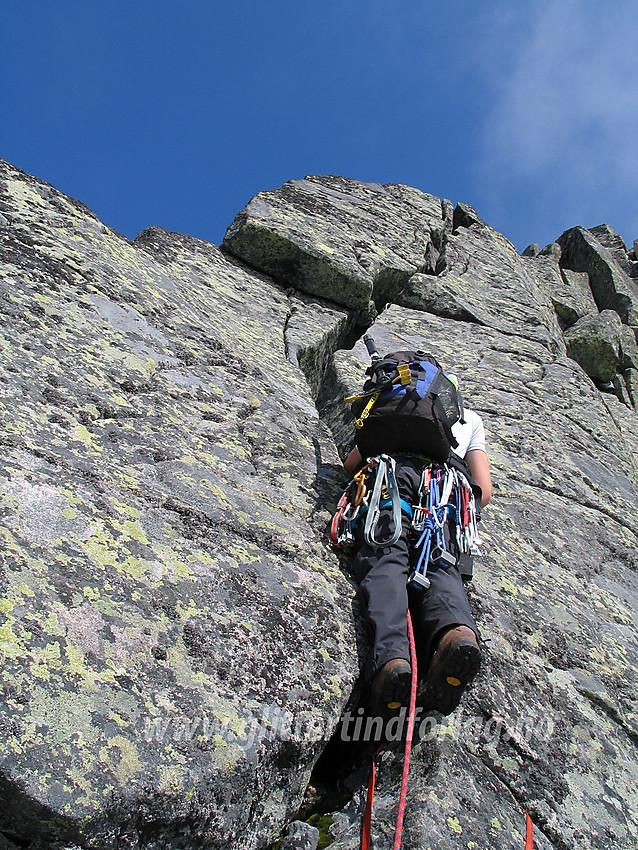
{"x": 529, "y": 833}
{"x": 398, "y": 832}
{"x": 367, "y": 818}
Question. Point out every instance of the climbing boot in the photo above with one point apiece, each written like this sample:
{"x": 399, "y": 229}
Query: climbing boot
{"x": 454, "y": 664}
{"x": 391, "y": 686}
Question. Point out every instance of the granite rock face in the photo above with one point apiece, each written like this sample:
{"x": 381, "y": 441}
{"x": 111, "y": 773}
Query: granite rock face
{"x": 175, "y": 637}
{"x": 470, "y": 287}
{"x": 594, "y": 343}
{"x": 612, "y": 275}
{"x": 301, "y": 234}
{"x": 573, "y": 299}
{"x": 178, "y": 642}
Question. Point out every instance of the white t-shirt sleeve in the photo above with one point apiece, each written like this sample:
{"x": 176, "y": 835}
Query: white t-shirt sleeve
{"x": 469, "y": 434}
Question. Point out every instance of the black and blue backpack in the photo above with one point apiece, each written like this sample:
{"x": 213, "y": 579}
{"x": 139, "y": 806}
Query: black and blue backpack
{"x": 408, "y": 405}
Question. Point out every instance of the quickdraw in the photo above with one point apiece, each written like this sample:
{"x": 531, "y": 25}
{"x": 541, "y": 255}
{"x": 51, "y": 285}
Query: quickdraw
{"x": 362, "y": 497}
{"x": 352, "y": 503}
{"x": 385, "y": 485}
{"x": 444, "y": 494}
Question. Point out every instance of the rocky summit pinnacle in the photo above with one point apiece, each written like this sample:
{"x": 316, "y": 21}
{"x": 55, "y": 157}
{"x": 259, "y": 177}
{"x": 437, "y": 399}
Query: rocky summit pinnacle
{"x": 178, "y": 642}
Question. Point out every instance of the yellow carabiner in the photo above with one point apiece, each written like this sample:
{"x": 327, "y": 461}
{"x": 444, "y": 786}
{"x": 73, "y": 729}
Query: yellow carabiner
{"x": 360, "y": 478}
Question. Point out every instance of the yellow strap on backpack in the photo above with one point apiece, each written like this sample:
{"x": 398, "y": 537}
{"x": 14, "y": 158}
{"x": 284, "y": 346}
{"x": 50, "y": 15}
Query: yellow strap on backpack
{"x": 404, "y": 377}
{"x": 366, "y": 410}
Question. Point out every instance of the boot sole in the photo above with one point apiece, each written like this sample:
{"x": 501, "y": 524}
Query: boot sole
{"x": 454, "y": 672}
{"x": 395, "y": 692}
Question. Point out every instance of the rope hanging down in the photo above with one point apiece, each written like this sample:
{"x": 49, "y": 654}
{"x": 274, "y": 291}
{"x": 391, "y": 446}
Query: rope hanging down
{"x": 367, "y": 820}
{"x": 529, "y": 832}
{"x": 398, "y": 832}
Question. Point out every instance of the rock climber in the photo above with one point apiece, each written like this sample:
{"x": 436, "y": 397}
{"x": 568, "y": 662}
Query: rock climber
{"x": 446, "y": 634}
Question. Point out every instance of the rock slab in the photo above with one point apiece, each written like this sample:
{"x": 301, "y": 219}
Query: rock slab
{"x": 301, "y": 234}
{"x": 175, "y": 637}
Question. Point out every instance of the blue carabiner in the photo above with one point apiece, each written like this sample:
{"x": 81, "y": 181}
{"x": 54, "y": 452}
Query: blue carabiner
{"x": 424, "y": 542}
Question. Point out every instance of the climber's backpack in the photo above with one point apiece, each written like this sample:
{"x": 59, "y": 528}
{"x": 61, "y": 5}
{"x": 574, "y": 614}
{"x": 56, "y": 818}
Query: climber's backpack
{"x": 407, "y": 405}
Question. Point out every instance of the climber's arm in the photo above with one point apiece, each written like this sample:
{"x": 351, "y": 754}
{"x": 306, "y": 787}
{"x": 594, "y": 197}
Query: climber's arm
{"x": 353, "y": 461}
{"x": 479, "y": 465}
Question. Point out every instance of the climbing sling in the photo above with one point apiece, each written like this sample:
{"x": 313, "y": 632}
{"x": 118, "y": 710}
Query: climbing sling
{"x": 385, "y": 484}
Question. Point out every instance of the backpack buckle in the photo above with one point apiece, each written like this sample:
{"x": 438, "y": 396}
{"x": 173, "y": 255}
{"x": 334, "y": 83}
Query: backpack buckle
{"x": 404, "y": 373}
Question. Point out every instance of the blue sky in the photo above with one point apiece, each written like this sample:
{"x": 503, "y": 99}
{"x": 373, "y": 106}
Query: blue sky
{"x": 176, "y": 114}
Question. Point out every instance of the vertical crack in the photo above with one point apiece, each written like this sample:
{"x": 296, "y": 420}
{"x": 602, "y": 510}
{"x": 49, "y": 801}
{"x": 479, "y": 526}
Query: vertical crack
{"x": 291, "y": 310}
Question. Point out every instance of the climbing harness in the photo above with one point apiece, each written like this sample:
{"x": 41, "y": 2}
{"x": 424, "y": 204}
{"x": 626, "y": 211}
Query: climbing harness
{"x": 443, "y": 520}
